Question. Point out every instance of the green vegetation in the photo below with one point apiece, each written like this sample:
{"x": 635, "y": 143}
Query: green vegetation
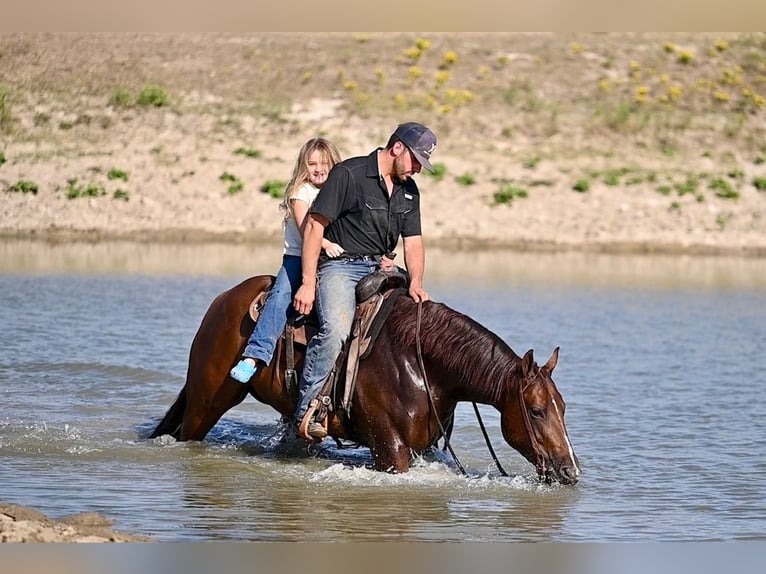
{"x": 121, "y": 98}
{"x": 152, "y": 96}
{"x": 120, "y": 194}
{"x": 440, "y": 170}
{"x": 115, "y": 173}
{"x": 274, "y": 188}
{"x": 2, "y": 157}
{"x": 248, "y": 152}
{"x": 24, "y": 186}
{"x": 508, "y": 192}
{"x": 759, "y": 183}
{"x": 688, "y": 186}
{"x": 723, "y": 189}
{"x": 149, "y": 96}
{"x": 581, "y": 185}
{"x": 531, "y": 162}
{"x": 90, "y": 189}
{"x": 466, "y": 179}
{"x": 235, "y": 184}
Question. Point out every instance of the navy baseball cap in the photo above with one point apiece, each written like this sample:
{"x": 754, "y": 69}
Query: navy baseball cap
{"x": 420, "y": 140}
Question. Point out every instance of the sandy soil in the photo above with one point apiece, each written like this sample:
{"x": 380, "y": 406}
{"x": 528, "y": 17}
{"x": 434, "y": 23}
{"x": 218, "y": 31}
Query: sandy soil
{"x": 63, "y": 131}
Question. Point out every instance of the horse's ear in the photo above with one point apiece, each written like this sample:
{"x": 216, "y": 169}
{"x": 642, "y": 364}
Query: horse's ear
{"x": 527, "y": 363}
{"x": 553, "y": 361}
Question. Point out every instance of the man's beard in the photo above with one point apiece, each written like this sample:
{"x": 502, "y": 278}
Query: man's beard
{"x": 399, "y": 174}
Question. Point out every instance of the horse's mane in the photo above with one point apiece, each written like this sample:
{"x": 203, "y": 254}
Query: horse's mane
{"x": 462, "y": 344}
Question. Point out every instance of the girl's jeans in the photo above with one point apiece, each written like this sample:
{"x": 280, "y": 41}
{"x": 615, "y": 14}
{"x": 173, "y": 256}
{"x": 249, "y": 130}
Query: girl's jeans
{"x": 276, "y": 309}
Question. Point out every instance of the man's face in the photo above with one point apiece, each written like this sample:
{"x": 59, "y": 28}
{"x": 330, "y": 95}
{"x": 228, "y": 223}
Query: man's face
{"x": 405, "y": 163}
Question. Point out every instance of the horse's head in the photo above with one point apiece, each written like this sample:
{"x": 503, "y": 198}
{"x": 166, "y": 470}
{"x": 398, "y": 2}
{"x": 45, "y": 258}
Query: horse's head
{"x": 533, "y": 422}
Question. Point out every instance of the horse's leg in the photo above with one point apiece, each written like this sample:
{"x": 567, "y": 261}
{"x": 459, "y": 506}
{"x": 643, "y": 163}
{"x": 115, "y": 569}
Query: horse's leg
{"x": 171, "y": 422}
{"x": 391, "y": 455}
{"x": 203, "y": 412}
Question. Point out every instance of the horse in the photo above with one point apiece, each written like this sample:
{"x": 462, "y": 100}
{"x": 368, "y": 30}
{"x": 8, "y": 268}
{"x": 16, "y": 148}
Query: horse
{"x": 427, "y": 358}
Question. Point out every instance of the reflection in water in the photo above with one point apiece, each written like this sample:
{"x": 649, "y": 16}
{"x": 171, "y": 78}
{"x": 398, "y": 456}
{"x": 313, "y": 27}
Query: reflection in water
{"x": 495, "y": 266}
{"x": 305, "y": 499}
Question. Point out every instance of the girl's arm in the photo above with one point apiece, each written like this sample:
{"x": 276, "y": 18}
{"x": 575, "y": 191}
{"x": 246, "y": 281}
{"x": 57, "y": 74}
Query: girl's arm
{"x": 301, "y": 209}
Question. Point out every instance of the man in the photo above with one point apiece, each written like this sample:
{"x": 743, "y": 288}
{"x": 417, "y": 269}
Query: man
{"x": 365, "y": 205}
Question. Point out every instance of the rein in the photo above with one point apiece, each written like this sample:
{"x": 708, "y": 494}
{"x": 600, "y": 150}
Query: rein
{"x": 436, "y": 414}
{"x": 428, "y": 391}
{"x": 539, "y": 458}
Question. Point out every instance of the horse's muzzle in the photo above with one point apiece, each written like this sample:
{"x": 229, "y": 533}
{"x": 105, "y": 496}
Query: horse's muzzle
{"x": 568, "y": 474}
{"x": 564, "y": 474}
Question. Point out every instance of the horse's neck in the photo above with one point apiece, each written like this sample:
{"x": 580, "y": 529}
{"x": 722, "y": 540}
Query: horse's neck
{"x": 490, "y": 387}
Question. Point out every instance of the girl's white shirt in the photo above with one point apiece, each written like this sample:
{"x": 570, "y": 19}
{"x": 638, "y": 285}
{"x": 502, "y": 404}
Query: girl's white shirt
{"x": 293, "y": 239}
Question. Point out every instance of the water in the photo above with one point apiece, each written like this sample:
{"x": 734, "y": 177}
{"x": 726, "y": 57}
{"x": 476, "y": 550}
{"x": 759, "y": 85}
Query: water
{"x": 661, "y": 365}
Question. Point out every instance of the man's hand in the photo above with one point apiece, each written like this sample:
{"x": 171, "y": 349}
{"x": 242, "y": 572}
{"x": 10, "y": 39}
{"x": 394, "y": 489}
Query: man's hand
{"x": 418, "y": 293}
{"x": 387, "y": 261}
{"x": 304, "y": 299}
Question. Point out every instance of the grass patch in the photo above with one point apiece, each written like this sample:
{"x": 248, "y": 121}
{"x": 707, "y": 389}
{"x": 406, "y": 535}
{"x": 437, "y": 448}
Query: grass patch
{"x": 721, "y": 221}
{"x": 723, "y": 189}
{"x": 508, "y": 192}
{"x": 24, "y": 186}
{"x": 121, "y": 98}
{"x": 121, "y": 195}
{"x": 248, "y": 152}
{"x": 759, "y": 183}
{"x": 73, "y": 190}
{"x": 466, "y": 179}
{"x": 274, "y": 188}
{"x": 440, "y": 170}
{"x": 235, "y": 184}
{"x": 2, "y": 158}
{"x": 115, "y": 173}
{"x": 531, "y": 162}
{"x": 689, "y": 186}
{"x": 664, "y": 189}
{"x": 581, "y": 185}
{"x": 152, "y": 96}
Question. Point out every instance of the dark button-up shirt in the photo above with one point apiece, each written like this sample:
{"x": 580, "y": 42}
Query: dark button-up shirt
{"x": 363, "y": 219}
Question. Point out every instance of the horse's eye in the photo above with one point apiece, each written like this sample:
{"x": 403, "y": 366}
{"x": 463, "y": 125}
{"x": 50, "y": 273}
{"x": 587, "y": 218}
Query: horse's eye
{"x": 536, "y": 413}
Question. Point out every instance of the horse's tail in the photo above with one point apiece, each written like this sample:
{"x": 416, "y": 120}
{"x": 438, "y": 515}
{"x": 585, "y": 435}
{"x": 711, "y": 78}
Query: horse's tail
{"x": 171, "y": 423}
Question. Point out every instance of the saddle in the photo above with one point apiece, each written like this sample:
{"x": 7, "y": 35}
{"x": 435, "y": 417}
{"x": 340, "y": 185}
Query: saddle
{"x": 375, "y": 296}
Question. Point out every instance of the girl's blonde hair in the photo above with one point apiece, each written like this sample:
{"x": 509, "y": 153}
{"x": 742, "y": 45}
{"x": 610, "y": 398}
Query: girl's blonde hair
{"x": 301, "y": 170}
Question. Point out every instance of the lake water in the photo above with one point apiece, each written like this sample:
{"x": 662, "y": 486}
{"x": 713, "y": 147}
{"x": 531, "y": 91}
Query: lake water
{"x": 662, "y": 365}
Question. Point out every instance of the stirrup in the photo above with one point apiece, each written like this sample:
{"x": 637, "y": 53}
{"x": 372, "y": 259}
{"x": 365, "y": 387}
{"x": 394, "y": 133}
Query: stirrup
{"x": 309, "y": 429}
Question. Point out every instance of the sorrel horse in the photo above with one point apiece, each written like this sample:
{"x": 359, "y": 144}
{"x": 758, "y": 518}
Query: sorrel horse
{"x": 424, "y": 362}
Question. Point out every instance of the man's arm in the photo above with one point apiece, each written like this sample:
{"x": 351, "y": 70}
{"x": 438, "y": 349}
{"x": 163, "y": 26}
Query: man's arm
{"x": 301, "y": 210}
{"x": 312, "y": 245}
{"x": 415, "y": 261}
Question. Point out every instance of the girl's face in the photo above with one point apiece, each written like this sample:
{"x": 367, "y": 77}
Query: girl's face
{"x": 319, "y": 167}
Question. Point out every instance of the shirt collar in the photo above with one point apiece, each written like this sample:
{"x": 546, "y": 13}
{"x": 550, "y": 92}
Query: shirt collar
{"x": 373, "y": 170}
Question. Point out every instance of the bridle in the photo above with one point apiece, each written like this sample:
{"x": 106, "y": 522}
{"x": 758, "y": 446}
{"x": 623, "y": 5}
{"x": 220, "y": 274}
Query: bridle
{"x": 537, "y": 451}
{"x": 540, "y": 465}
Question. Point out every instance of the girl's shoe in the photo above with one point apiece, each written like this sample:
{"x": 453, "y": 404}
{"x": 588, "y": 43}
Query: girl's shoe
{"x": 243, "y": 372}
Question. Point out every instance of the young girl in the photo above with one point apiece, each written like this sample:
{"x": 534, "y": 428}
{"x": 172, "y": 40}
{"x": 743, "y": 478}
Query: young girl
{"x": 315, "y": 160}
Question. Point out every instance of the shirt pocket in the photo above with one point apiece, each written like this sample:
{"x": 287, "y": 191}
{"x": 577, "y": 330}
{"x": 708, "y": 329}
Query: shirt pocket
{"x": 400, "y": 213}
{"x": 377, "y": 212}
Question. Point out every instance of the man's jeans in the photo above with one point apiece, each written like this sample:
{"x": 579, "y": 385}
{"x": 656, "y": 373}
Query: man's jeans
{"x": 276, "y": 309}
{"x": 335, "y": 305}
